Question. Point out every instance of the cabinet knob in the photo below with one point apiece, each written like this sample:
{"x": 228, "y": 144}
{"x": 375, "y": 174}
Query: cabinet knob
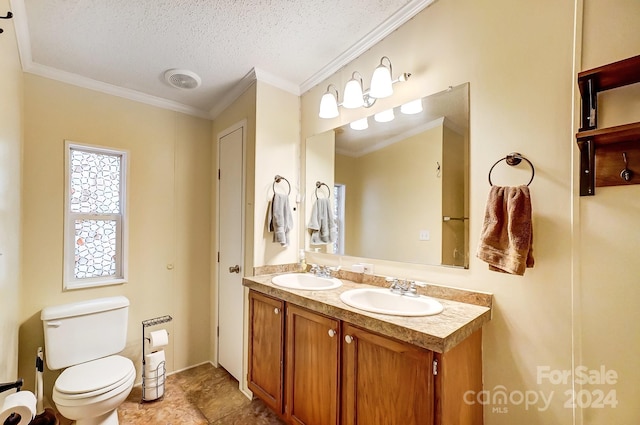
{"x": 348, "y": 339}
{"x": 276, "y": 310}
{"x": 332, "y": 333}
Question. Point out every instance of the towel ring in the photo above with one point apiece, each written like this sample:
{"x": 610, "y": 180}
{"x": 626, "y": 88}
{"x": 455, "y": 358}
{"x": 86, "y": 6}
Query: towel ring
{"x": 278, "y": 179}
{"x": 319, "y": 185}
{"x": 513, "y": 159}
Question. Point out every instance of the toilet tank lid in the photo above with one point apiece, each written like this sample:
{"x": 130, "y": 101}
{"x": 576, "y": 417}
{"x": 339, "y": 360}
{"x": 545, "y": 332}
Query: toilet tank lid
{"x": 81, "y": 308}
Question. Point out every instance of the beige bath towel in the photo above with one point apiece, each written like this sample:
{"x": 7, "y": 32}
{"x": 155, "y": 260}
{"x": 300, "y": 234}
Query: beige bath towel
{"x": 506, "y": 242}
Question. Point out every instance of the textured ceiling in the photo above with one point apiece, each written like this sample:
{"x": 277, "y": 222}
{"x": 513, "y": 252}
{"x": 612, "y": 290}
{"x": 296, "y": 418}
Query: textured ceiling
{"x": 130, "y": 44}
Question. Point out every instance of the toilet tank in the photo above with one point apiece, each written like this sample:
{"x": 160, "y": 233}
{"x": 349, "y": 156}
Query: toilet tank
{"x": 82, "y": 331}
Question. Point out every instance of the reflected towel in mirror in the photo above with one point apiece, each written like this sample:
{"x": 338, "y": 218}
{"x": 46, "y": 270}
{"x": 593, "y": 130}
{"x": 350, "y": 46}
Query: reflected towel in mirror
{"x": 322, "y": 225}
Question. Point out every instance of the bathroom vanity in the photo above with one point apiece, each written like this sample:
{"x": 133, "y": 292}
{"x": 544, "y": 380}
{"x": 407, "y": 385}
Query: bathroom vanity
{"x": 315, "y": 360}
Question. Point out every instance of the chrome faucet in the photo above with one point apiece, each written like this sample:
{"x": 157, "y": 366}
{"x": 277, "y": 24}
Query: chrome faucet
{"x": 404, "y": 287}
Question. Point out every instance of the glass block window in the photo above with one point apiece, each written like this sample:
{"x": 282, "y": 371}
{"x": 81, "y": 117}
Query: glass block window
{"x": 94, "y": 225}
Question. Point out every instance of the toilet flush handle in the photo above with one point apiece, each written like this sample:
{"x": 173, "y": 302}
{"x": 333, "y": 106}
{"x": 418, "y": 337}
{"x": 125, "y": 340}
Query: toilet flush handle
{"x": 55, "y": 324}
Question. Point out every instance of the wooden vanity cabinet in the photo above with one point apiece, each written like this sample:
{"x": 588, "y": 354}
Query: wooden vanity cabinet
{"x": 312, "y": 367}
{"x": 266, "y": 349}
{"x": 315, "y": 370}
{"x": 458, "y": 383}
{"x": 385, "y": 381}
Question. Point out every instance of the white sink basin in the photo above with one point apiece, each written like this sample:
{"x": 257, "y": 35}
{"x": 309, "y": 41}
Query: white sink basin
{"x": 382, "y": 300}
{"x": 306, "y": 281}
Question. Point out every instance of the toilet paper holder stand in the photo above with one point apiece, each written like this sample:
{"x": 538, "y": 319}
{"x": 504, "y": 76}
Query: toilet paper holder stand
{"x": 11, "y": 385}
{"x": 160, "y": 369}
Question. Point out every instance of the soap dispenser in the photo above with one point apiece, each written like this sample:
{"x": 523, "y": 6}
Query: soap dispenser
{"x": 302, "y": 262}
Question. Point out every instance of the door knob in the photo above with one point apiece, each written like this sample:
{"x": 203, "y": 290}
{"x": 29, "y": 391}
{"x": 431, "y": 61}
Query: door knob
{"x": 276, "y": 310}
{"x": 234, "y": 269}
{"x": 348, "y": 339}
{"x": 332, "y": 333}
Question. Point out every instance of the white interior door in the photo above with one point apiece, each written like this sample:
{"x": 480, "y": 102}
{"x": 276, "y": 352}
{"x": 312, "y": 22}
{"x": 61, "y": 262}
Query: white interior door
{"x": 230, "y": 243}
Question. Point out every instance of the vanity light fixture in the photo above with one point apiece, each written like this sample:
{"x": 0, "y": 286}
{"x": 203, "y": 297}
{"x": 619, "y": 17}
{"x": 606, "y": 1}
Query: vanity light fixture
{"x": 384, "y": 116}
{"x": 356, "y": 96}
{"x": 413, "y": 107}
{"x": 329, "y": 103}
{"x": 361, "y": 124}
{"x": 353, "y": 96}
{"x": 381, "y": 83}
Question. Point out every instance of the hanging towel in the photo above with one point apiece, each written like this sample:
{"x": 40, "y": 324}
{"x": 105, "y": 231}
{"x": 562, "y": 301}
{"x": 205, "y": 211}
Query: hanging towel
{"x": 322, "y": 225}
{"x": 280, "y": 218}
{"x": 506, "y": 241}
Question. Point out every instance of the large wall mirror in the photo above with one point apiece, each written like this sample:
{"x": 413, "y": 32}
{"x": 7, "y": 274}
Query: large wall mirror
{"x": 398, "y": 189}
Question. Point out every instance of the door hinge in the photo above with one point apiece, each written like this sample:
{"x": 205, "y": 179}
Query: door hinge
{"x": 218, "y": 174}
{"x": 218, "y": 256}
{"x": 218, "y": 331}
{"x": 435, "y": 367}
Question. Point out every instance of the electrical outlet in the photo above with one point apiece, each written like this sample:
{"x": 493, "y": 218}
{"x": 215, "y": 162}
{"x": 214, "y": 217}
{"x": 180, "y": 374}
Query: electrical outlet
{"x": 368, "y": 268}
{"x": 424, "y": 235}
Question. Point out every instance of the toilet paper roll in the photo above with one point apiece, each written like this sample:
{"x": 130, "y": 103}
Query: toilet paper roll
{"x": 159, "y": 338}
{"x": 153, "y": 392}
{"x": 153, "y": 364}
{"x": 22, "y": 403}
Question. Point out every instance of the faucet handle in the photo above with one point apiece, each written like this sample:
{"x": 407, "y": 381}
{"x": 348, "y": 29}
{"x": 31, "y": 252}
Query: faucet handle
{"x": 412, "y": 290}
{"x": 394, "y": 284}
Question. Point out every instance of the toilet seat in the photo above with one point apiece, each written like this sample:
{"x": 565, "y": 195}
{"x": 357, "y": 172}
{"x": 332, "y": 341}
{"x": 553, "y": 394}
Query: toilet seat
{"x": 94, "y": 378}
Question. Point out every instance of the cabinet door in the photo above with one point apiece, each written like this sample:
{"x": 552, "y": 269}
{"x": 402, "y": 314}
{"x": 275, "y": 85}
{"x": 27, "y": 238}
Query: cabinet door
{"x": 266, "y": 349}
{"x": 385, "y": 381}
{"x": 312, "y": 367}
{"x": 460, "y": 374}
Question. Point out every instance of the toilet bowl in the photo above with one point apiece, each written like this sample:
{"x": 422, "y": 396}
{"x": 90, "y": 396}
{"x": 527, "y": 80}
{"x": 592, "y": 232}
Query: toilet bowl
{"x": 84, "y": 339}
{"x": 90, "y": 393}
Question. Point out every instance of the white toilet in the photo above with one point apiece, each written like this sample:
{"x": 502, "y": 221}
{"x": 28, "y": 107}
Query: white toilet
{"x": 85, "y": 337}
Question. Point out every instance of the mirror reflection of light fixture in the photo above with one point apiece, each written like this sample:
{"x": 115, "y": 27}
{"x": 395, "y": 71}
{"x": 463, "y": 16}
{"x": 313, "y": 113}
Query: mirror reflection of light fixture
{"x": 384, "y": 116}
{"x": 329, "y": 103}
{"x": 354, "y": 94}
{"x": 361, "y": 124}
{"x": 381, "y": 82}
{"x": 410, "y": 108}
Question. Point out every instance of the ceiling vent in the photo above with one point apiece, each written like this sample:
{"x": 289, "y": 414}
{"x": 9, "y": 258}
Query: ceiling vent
{"x": 182, "y": 79}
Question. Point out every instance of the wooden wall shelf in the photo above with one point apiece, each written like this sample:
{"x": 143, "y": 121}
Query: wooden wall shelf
{"x": 602, "y": 150}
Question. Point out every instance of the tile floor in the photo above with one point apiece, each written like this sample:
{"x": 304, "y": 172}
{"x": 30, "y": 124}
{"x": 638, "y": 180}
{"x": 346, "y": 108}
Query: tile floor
{"x": 202, "y": 395}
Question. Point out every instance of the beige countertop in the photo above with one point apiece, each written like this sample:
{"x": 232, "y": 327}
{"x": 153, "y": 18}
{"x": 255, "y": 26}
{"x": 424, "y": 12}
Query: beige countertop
{"x": 438, "y": 333}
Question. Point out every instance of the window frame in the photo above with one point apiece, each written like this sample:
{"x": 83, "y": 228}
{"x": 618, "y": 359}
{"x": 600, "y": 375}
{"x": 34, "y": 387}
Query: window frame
{"x": 70, "y": 282}
{"x": 339, "y": 193}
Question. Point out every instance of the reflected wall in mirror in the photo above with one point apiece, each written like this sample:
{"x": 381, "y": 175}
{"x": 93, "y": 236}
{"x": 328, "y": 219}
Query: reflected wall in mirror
{"x": 400, "y": 188}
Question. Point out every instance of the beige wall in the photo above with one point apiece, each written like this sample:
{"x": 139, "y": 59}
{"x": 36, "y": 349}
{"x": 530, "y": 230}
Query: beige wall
{"x": 10, "y": 199}
{"x": 607, "y": 293}
{"x": 519, "y": 63}
{"x": 168, "y": 211}
{"x": 403, "y": 175}
{"x": 277, "y": 152}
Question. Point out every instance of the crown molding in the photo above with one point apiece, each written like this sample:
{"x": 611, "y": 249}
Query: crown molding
{"x": 274, "y": 80}
{"x": 99, "y": 86}
{"x": 256, "y": 74}
{"x": 233, "y": 94}
{"x": 387, "y": 27}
